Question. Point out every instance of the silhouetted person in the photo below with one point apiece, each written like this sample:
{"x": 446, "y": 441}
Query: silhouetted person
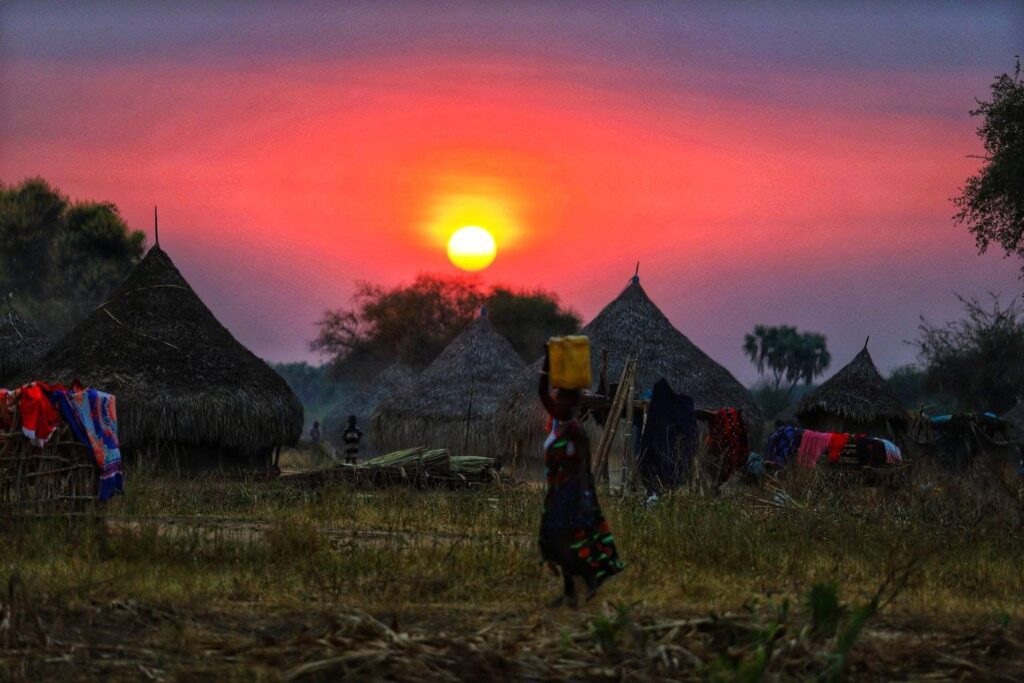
{"x": 574, "y": 535}
{"x": 351, "y": 437}
{"x": 314, "y": 433}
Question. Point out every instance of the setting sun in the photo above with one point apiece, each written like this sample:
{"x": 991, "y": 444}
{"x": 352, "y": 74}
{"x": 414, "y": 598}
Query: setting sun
{"x": 471, "y": 248}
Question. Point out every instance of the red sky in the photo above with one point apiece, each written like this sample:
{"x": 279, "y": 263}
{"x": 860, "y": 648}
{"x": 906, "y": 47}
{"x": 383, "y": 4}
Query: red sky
{"x": 792, "y": 166}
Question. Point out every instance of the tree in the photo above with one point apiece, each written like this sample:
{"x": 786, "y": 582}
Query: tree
{"x": 528, "y": 317}
{"x": 414, "y": 323}
{"x": 991, "y": 203}
{"x": 788, "y": 355}
{"x": 977, "y": 361}
{"x": 59, "y": 258}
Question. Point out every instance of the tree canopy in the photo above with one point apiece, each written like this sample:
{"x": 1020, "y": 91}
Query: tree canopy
{"x": 991, "y": 203}
{"x": 413, "y": 323}
{"x": 787, "y": 355}
{"x": 60, "y": 258}
{"x": 977, "y": 361}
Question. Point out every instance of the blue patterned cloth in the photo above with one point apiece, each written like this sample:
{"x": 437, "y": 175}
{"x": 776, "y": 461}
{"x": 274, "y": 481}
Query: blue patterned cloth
{"x": 782, "y": 444}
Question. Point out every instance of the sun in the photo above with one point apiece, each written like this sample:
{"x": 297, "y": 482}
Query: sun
{"x": 471, "y": 248}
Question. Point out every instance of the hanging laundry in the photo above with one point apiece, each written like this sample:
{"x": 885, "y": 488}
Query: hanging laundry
{"x": 782, "y": 444}
{"x": 813, "y": 445}
{"x": 92, "y": 417}
{"x": 39, "y": 418}
{"x": 669, "y": 438}
{"x": 836, "y": 443}
{"x": 893, "y": 456}
{"x": 727, "y": 436}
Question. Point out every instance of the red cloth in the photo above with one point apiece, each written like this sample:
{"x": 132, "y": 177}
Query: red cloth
{"x": 835, "y": 445}
{"x": 8, "y": 408}
{"x": 39, "y": 417}
{"x": 727, "y": 437}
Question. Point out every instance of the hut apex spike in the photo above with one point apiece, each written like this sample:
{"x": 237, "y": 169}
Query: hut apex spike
{"x": 156, "y": 227}
{"x": 866, "y": 341}
{"x": 636, "y": 273}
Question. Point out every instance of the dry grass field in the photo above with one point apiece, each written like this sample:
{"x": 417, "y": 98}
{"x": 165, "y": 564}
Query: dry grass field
{"x": 216, "y": 579}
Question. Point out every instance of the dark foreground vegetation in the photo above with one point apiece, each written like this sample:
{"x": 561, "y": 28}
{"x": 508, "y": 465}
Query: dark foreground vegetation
{"x": 242, "y": 580}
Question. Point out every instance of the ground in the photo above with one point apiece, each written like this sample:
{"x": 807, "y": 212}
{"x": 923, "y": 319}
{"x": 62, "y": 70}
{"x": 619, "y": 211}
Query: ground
{"x": 244, "y": 580}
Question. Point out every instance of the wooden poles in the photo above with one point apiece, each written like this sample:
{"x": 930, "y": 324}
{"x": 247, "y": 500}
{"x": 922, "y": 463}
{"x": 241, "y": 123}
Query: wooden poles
{"x": 623, "y": 401}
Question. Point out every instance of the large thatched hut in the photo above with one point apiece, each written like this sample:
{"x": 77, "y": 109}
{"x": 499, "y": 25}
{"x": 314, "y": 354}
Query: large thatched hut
{"x": 855, "y": 400}
{"x": 455, "y": 401}
{"x": 22, "y": 344}
{"x": 363, "y": 401}
{"x": 632, "y": 325}
{"x": 188, "y": 393}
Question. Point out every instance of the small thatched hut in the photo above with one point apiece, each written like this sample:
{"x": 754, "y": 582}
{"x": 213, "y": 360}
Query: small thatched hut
{"x": 454, "y": 402}
{"x": 188, "y": 393}
{"x": 22, "y": 344}
{"x": 363, "y": 403}
{"x": 855, "y": 400}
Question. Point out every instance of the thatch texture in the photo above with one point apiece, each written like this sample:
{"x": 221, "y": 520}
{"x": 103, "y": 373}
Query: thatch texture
{"x": 856, "y": 394}
{"x": 454, "y": 402}
{"x": 22, "y": 344}
{"x": 363, "y": 402}
{"x": 632, "y": 325}
{"x": 179, "y": 376}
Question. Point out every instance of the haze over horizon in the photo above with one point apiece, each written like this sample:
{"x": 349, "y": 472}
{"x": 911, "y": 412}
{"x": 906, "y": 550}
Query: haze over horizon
{"x": 783, "y": 165}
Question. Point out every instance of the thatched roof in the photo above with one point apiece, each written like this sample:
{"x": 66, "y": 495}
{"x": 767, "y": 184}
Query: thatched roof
{"x": 632, "y": 325}
{"x": 178, "y": 374}
{"x": 857, "y": 392}
{"x": 472, "y": 375}
{"x": 363, "y": 402}
{"x": 21, "y": 344}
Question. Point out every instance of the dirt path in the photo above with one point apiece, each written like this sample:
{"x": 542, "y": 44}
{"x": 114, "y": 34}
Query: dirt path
{"x": 249, "y": 531}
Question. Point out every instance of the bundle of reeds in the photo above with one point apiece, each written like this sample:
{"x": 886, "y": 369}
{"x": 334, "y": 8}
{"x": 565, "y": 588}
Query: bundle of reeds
{"x": 469, "y": 464}
{"x": 417, "y": 460}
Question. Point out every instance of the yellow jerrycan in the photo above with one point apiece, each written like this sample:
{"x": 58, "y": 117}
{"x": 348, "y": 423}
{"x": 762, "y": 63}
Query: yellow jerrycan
{"x": 570, "y": 362}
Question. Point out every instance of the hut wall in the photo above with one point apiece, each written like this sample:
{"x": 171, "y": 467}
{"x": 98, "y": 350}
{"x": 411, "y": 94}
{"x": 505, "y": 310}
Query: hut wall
{"x": 191, "y": 459}
{"x": 880, "y": 428}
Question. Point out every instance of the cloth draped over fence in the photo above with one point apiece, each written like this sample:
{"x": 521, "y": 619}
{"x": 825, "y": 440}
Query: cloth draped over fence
{"x": 91, "y": 415}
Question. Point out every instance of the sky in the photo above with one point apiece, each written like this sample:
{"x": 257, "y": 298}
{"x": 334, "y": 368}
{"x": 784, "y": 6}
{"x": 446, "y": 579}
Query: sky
{"x": 778, "y": 163}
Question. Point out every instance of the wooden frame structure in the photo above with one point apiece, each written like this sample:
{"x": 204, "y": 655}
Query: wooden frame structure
{"x": 59, "y": 479}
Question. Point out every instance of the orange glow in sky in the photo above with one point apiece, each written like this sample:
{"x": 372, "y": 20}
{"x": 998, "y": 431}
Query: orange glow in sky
{"x": 293, "y": 151}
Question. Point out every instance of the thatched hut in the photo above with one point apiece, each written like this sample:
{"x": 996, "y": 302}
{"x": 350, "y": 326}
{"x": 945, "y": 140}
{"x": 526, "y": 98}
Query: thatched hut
{"x": 632, "y": 325}
{"x": 454, "y": 402}
{"x": 188, "y": 393}
{"x": 22, "y": 344}
{"x": 855, "y": 400}
{"x": 363, "y": 403}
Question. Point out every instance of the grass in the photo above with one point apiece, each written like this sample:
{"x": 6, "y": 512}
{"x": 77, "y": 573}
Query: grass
{"x": 273, "y": 555}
